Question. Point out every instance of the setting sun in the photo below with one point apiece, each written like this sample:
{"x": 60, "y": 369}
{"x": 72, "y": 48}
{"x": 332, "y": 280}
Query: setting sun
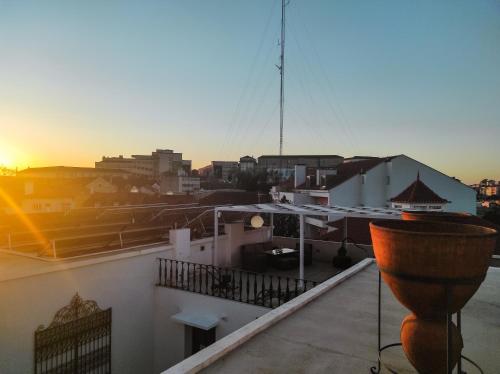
{"x": 5, "y": 160}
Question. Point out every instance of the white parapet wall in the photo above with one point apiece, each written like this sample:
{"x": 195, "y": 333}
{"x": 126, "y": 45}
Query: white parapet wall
{"x": 124, "y": 282}
{"x": 227, "y": 249}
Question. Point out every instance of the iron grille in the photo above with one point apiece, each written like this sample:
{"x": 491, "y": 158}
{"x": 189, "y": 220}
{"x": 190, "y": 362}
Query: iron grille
{"x": 78, "y": 346}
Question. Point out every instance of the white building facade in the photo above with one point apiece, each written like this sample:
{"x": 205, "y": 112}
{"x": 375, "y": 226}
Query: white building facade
{"x": 379, "y": 182}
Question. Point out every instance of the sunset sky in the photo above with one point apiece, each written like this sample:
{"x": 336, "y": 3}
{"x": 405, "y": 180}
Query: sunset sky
{"x": 83, "y": 79}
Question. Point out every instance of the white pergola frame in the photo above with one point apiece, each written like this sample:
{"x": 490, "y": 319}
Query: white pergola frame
{"x": 338, "y": 212}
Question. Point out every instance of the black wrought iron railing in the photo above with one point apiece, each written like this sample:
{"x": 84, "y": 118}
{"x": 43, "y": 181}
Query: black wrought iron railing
{"x": 261, "y": 289}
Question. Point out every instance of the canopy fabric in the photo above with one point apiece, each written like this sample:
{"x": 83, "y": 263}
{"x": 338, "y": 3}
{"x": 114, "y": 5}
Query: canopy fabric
{"x": 204, "y": 322}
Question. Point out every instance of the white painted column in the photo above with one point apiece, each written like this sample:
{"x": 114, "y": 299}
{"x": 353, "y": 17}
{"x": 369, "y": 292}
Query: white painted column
{"x": 216, "y": 235}
{"x": 301, "y": 268}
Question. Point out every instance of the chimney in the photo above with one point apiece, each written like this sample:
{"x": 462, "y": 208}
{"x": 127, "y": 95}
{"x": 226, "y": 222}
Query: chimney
{"x": 321, "y": 175}
{"x": 300, "y": 175}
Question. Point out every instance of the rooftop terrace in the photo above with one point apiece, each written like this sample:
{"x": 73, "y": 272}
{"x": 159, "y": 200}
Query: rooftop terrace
{"x": 333, "y": 329}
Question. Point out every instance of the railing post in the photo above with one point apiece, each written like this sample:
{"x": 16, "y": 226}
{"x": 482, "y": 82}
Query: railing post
{"x": 270, "y": 291}
{"x": 263, "y": 288}
{"x": 255, "y": 288}
{"x": 121, "y": 239}
{"x": 54, "y": 253}
{"x": 206, "y": 279}
{"x": 159, "y": 271}
{"x": 279, "y": 290}
{"x": 232, "y": 284}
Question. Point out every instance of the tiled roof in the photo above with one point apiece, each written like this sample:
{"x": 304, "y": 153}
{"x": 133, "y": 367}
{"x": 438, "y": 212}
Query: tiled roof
{"x": 346, "y": 171}
{"x": 418, "y": 192}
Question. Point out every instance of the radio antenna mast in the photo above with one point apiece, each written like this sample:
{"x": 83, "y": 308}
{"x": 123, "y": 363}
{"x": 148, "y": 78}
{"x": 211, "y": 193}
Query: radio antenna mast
{"x": 281, "y": 68}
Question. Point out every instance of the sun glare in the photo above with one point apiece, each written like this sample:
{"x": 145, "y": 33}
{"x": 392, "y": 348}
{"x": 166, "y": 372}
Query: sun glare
{"x": 5, "y": 160}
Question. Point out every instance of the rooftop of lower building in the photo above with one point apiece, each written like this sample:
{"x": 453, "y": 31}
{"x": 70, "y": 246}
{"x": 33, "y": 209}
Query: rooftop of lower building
{"x": 333, "y": 329}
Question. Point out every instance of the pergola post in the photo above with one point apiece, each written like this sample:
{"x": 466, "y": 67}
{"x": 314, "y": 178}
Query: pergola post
{"x": 216, "y": 235}
{"x": 301, "y": 253}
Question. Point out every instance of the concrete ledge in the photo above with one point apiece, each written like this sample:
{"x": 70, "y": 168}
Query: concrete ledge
{"x": 220, "y": 348}
{"x": 38, "y": 267}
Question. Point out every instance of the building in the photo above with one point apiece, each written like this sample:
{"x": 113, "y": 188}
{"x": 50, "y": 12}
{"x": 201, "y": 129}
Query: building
{"x": 417, "y": 196}
{"x": 283, "y": 166}
{"x": 247, "y": 164}
{"x": 488, "y": 187}
{"x": 160, "y": 162}
{"x": 63, "y": 172}
{"x": 44, "y": 195}
{"x": 372, "y": 182}
{"x": 221, "y": 170}
{"x": 156, "y": 303}
{"x": 172, "y": 184}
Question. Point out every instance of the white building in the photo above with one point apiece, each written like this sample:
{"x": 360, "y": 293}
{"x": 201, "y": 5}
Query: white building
{"x": 418, "y": 196}
{"x": 160, "y": 162}
{"x": 374, "y": 182}
{"x": 170, "y": 184}
{"x": 144, "y": 308}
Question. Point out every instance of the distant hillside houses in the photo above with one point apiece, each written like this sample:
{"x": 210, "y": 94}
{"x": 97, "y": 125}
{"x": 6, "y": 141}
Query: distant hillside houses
{"x": 387, "y": 182}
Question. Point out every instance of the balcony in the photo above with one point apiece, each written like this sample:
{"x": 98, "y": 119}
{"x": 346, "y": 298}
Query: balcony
{"x": 262, "y": 289}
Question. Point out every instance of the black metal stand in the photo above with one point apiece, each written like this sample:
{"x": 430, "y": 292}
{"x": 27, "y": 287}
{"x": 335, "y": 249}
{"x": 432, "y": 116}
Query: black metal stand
{"x": 449, "y": 322}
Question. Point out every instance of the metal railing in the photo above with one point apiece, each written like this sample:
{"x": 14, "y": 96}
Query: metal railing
{"x": 261, "y": 289}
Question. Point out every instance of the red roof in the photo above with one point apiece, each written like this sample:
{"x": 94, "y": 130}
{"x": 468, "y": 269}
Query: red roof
{"x": 418, "y": 192}
{"x": 346, "y": 171}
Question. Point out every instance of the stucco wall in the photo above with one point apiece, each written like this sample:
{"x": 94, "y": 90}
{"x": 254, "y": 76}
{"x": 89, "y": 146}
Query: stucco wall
{"x": 169, "y": 335}
{"x": 373, "y": 191}
{"x": 347, "y": 193}
{"x": 404, "y": 172}
{"x": 126, "y": 285}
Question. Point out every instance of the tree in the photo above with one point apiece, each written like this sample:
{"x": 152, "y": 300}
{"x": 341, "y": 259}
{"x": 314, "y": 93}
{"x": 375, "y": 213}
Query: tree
{"x": 253, "y": 181}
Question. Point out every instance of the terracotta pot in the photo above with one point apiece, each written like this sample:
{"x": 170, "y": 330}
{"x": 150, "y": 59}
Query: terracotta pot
{"x": 416, "y": 257}
{"x": 425, "y": 344}
{"x": 422, "y": 260}
{"x": 451, "y": 217}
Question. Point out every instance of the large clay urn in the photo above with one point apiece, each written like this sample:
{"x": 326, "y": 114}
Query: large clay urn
{"x": 420, "y": 262}
{"x": 451, "y": 217}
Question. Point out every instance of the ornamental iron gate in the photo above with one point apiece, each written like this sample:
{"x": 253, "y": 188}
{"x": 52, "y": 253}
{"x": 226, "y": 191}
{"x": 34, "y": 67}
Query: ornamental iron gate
{"x": 78, "y": 341}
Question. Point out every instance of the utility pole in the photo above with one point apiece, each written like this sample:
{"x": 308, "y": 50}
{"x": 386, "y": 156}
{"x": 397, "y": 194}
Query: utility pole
{"x": 281, "y": 68}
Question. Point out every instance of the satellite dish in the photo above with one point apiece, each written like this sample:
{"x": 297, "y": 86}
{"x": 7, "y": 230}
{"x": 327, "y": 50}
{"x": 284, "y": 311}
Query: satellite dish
{"x": 257, "y": 221}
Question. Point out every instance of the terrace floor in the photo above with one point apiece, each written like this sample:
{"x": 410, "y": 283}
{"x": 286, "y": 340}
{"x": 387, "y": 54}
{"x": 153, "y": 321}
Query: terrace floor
{"x": 318, "y": 271}
{"x": 337, "y": 333}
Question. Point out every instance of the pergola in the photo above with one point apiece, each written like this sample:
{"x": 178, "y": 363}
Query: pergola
{"x": 333, "y": 212}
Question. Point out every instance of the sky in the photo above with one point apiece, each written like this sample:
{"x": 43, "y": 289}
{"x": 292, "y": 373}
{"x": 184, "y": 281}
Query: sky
{"x": 84, "y": 79}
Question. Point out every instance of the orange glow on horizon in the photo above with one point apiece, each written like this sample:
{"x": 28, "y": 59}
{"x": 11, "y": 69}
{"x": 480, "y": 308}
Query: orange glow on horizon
{"x": 40, "y": 238}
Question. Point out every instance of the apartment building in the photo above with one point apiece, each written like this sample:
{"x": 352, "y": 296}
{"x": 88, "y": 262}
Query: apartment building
{"x": 160, "y": 162}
